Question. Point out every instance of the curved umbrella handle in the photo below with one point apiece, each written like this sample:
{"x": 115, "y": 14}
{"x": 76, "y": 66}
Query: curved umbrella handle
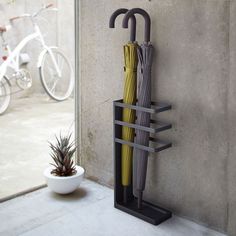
{"x": 133, "y": 22}
{"x": 147, "y": 19}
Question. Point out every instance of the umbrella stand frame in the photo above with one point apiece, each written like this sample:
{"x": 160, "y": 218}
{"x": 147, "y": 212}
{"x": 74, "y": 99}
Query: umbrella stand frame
{"x": 149, "y": 212}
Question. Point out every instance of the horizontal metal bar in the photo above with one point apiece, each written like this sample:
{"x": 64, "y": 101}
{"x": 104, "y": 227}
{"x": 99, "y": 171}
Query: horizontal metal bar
{"x": 160, "y": 107}
{"x": 133, "y": 107}
{"x": 160, "y": 126}
{"x": 155, "y": 108}
{"x": 135, "y": 145}
{"x": 163, "y": 145}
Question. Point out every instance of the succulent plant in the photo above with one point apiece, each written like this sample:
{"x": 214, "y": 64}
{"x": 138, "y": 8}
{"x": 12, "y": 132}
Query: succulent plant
{"x": 62, "y": 154}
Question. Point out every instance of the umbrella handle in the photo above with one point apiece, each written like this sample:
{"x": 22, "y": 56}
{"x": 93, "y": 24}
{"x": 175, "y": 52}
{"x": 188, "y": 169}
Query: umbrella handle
{"x": 147, "y": 19}
{"x": 133, "y": 22}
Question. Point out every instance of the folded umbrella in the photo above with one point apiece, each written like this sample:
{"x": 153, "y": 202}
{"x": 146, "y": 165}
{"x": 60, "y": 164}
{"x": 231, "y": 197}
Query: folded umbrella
{"x": 129, "y": 97}
{"x": 145, "y": 57}
{"x": 131, "y": 61}
{"x": 145, "y": 54}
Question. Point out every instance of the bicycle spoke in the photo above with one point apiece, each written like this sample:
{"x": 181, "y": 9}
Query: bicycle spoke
{"x": 53, "y": 79}
{"x": 61, "y": 65}
{"x": 51, "y": 71}
{"x": 54, "y": 85}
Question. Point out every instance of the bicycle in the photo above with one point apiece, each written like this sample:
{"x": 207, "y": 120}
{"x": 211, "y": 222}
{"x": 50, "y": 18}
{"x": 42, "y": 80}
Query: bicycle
{"x": 55, "y": 70}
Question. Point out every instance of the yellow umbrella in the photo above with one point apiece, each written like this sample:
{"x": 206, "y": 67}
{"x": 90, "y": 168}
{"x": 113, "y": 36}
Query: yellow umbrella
{"x": 129, "y": 97}
{"x": 131, "y": 61}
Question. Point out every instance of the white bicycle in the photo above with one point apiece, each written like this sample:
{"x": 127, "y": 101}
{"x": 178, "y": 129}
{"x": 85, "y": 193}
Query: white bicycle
{"x": 56, "y": 72}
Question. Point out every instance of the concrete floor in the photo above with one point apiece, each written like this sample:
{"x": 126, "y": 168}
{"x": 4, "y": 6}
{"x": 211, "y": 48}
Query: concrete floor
{"x": 87, "y": 212}
{"x": 24, "y": 131}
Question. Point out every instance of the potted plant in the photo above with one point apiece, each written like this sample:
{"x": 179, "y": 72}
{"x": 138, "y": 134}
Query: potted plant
{"x": 63, "y": 176}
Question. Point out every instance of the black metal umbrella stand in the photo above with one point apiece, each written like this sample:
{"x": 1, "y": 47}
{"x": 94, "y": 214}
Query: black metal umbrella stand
{"x": 146, "y": 129}
{"x": 149, "y": 212}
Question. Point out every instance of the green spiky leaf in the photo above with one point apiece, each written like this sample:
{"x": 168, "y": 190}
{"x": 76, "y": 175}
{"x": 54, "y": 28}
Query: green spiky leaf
{"x": 62, "y": 154}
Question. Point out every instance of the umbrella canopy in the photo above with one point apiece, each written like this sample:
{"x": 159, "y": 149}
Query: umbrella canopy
{"x": 129, "y": 97}
{"x": 145, "y": 57}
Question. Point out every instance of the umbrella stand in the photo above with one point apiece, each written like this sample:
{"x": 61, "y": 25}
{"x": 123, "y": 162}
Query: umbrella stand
{"x": 124, "y": 198}
{"x": 149, "y": 212}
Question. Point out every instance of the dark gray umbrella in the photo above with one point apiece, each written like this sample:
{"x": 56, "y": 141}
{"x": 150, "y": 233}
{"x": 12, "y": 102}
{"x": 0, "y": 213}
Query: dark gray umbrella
{"x": 145, "y": 56}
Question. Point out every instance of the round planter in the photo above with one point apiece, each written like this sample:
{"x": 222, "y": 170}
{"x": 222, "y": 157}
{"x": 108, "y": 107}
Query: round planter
{"x": 64, "y": 185}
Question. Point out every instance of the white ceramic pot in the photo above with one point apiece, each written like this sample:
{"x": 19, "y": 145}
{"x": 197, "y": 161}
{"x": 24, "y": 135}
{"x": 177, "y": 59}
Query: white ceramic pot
{"x": 64, "y": 185}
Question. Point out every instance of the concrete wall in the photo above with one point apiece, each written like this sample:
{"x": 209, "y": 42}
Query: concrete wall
{"x": 231, "y": 165}
{"x": 194, "y": 69}
{"x": 58, "y": 30}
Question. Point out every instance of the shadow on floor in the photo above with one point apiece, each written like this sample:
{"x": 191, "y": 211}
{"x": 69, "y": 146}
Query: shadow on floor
{"x": 76, "y": 195}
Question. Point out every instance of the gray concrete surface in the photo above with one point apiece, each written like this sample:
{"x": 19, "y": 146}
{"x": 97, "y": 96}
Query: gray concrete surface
{"x": 231, "y": 165}
{"x": 24, "y": 131}
{"x": 57, "y": 27}
{"x": 195, "y": 178}
{"x": 89, "y": 211}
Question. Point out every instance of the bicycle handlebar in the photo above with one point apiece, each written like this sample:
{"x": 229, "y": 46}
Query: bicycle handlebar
{"x": 19, "y": 17}
{"x": 43, "y": 9}
{"x": 34, "y": 14}
{"x": 49, "y": 5}
{"x": 14, "y": 18}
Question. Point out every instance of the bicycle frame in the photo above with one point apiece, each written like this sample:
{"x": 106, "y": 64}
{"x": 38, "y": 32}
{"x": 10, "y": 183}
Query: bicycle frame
{"x": 13, "y": 56}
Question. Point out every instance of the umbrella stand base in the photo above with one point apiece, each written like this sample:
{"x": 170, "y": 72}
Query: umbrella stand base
{"x": 124, "y": 198}
{"x": 150, "y": 213}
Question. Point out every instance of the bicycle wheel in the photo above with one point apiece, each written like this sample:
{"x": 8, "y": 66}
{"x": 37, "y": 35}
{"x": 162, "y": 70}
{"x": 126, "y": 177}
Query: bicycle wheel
{"x": 5, "y": 96}
{"x": 58, "y": 88}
